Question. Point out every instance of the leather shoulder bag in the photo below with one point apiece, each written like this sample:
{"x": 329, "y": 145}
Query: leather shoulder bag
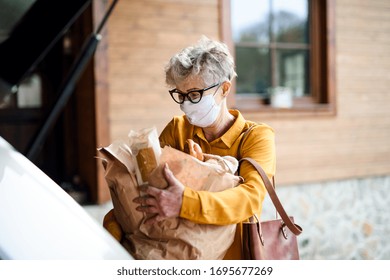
{"x": 273, "y": 239}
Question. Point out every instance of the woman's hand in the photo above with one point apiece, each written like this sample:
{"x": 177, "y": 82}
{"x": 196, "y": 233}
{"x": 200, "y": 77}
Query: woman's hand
{"x": 165, "y": 203}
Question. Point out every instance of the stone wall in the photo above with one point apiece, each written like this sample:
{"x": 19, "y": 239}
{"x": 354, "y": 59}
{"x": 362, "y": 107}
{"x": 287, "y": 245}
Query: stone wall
{"x": 342, "y": 220}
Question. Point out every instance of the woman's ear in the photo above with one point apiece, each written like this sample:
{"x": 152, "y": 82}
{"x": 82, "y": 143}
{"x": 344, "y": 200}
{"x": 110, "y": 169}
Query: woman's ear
{"x": 226, "y": 88}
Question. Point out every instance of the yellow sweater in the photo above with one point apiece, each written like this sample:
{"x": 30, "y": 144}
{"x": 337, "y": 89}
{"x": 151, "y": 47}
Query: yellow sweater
{"x": 232, "y": 206}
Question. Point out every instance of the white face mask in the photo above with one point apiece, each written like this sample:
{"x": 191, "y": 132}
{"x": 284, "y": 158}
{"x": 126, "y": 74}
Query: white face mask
{"x": 202, "y": 114}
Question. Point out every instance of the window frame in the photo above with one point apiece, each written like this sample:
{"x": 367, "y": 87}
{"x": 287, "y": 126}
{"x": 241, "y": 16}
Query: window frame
{"x": 322, "y": 65}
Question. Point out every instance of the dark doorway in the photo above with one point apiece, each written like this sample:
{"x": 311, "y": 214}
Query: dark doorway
{"x": 67, "y": 154}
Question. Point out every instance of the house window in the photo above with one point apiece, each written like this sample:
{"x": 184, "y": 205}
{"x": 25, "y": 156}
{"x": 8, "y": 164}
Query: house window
{"x": 283, "y": 52}
{"x": 28, "y": 95}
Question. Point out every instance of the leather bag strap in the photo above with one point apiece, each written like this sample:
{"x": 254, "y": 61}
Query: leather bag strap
{"x": 244, "y": 136}
{"x": 296, "y": 229}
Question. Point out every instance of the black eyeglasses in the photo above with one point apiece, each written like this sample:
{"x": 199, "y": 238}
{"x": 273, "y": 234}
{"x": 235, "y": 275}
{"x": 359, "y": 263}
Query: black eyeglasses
{"x": 194, "y": 96}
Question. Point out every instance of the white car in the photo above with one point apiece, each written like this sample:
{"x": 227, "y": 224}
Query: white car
{"x": 39, "y": 220}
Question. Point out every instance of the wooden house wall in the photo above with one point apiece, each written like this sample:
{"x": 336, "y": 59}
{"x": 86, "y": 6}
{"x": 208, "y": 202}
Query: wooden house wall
{"x": 355, "y": 142}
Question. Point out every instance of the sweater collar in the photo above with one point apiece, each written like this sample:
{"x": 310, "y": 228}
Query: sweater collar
{"x": 231, "y": 135}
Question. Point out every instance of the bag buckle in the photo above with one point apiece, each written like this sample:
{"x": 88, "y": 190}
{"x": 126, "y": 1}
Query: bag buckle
{"x": 284, "y": 230}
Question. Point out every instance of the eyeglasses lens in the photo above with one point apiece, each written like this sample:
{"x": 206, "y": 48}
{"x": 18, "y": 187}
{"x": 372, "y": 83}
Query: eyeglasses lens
{"x": 194, "y": 96}
{"x": 178, "y": 97}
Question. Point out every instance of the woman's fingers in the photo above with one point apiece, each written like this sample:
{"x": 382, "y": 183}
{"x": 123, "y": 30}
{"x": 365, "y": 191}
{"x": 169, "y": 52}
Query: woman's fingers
{"x": 147, "y": 209}
{"x": 166, "y": 203}
{"x": 145, "y": 200}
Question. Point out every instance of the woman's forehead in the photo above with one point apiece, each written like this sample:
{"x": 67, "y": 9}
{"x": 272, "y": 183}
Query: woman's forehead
{"x": 192, "y": 82}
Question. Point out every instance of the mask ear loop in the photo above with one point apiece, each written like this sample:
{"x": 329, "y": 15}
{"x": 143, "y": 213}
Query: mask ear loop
{"x": 216, "y": 90}
{"x": 223, "y": 92}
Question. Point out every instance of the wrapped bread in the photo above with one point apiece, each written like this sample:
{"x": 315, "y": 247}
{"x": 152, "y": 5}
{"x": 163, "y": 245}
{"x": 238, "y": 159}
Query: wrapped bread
{"x": 146, "y": 151}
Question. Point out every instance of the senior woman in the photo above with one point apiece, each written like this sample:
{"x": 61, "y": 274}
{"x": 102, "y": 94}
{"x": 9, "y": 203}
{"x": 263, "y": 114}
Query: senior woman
{"x": 201, "y": 76}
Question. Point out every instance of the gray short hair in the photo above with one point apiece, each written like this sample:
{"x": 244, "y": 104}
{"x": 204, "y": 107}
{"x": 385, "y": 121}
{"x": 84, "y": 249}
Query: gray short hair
{"x": 208, "y": 59}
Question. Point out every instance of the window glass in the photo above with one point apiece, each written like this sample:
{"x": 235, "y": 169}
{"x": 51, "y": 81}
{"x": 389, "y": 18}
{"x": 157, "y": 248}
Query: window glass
{"x": 292, "y": 71}
{"x": 28, "y": 95}
{"x": 253, "y": 70}
{"x": 30, "y": 92}
{"x": 272, "y": 45}
{"x": 290, "y": 21}
{"x": 250, "y": 21}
